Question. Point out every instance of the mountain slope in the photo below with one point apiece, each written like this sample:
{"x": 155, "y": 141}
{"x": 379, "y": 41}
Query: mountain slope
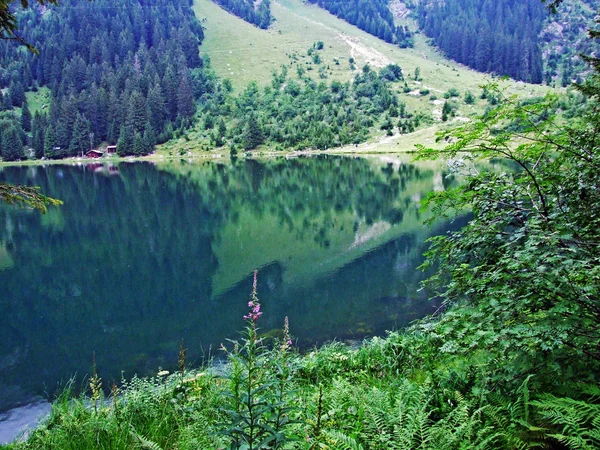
{"x": 497, "y": 36}
{"x": 117, "y": 74}
{"x": 517, "y": 38}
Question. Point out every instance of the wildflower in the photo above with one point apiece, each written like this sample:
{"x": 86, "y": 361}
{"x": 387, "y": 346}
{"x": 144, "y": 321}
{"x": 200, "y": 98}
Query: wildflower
{"x": 287, "y": 340}
{"x": 253, "y": 304}
{"x": 163, "y": 373}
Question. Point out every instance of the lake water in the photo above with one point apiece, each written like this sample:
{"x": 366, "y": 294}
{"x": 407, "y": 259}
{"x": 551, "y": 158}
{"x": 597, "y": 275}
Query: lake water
{"x": 143, "y": 255}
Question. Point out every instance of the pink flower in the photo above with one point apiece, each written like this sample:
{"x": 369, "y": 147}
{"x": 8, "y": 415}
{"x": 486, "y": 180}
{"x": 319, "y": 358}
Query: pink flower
{"x": 253, "y": 304}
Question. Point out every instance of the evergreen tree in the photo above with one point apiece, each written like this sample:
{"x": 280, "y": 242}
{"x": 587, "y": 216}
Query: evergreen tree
{"x": 170, "y": 86}
{"x": 221, "y": 132}
{"x": 139, "y": 147}
{"x": 502, "y": 37}
{"x": 125, "y": 142}
{"x": 12, "y": 146}
{"x": 16, "y": 93}
{"x": 136, "y": 115}
{"x": 7, "y": 102}
{"x": 80, "y": 141}
{"x": 26, "y": 118}
{"x": 149, "y": 139}
{"x": 112, "y": 133}
{"x": 469, "y": 98}
{"x": 372, "y": 16}
{"x": 49, "y": 142}
{"x": 63, "y": 139}
{"x": 253, "y": 135}
{"x": 37, "y": 131}
{"x": 185, "y": 98}
{"x": 446, "y": 110}
{"x": 156, "y": 107}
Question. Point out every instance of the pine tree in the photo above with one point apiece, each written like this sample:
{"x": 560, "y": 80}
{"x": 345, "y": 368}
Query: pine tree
{"x": 37, "y": 131}
{"x": 112, "y": 133}
{"x": 446, "y": 110}
{"x": 62, "y": 135}
{"x": 12, "y": 146}
{"x": 80, "y": 141}
{"x": 185, "y": 98}
{"x": 125, "y": 142}
{"x": 170, "y": 91}
{"x": 26, "y": 118}
{"x": 156, "y": 107}
{"x": 6, "y": 102}
{"x": 138, "y": 145}
{"x": 149, "y": 139}
{"x": 253, "y": 135}
{"x": 49, "y": 142}
{"x": 136, "y": 115}
{"x": 16, "y": 93}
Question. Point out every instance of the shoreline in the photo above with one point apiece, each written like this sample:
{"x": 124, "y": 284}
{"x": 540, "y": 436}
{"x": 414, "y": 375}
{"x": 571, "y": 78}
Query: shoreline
{"x": 212, "y": 155}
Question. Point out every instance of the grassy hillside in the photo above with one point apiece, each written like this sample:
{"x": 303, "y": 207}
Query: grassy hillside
{"x": 243, "y": 53}
{"x": 39, "y": 100}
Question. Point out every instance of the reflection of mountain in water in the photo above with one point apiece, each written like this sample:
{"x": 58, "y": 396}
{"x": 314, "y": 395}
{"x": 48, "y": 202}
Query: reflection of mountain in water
{"x": 134, "y": 262}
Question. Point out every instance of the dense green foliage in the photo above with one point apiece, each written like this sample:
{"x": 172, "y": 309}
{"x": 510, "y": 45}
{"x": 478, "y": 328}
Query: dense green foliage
{"x": 526, "y": 266}
{"x": 256, "y": 13}
{"x": 297, "y": 112}
{"x": 114, "y": 71}
{"x": 374, "y": 17}
{"x": 488, "y": 35}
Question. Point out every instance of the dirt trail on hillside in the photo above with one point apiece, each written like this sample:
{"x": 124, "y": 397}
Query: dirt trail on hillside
{"x": 357, "y": 48}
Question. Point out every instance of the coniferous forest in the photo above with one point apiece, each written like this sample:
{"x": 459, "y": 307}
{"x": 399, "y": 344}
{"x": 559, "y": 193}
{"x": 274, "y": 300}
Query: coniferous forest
{"x": 256, "y": 13}
{"x": 374, "y": 17}
{"x": 123, "y": 74}
{"x": 500, "y": 37}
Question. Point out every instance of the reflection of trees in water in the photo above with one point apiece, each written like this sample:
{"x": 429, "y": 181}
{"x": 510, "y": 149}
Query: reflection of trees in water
{"x": 300, "y": 190}
{"x": 125, "y": 267}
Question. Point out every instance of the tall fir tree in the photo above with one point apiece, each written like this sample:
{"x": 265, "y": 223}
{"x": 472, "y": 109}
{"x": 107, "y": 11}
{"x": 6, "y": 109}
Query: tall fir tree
{"x": 185, "y": 98}
{"x": 80, "y": 140}
{"x": 26, "y": 117}
{"x": 138, "y": 148}
{"x": 149, "y": 138}
{"x": 37, "y": 133}
{"x": 49, "y": 142}
{"x": 17, "y": 93}
{"x": 125, "y": 142}
{"x": 12, "y": 145}
{"x": 253, "y": 135}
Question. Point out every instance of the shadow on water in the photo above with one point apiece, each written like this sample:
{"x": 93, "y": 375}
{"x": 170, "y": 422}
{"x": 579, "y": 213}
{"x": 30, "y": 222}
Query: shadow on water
{"x": 141, "y": 256}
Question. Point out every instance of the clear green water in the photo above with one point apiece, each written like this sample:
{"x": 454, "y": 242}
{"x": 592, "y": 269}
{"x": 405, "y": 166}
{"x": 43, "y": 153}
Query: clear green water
{"x": 141, "y": 256}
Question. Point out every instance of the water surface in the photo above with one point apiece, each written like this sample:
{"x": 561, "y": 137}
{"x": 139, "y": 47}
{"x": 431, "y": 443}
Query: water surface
{"x": 143, "y": 255}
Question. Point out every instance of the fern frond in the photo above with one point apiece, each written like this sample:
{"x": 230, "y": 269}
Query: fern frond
{"x": 144, "y": 443}
{"x": 341, "y": 441}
